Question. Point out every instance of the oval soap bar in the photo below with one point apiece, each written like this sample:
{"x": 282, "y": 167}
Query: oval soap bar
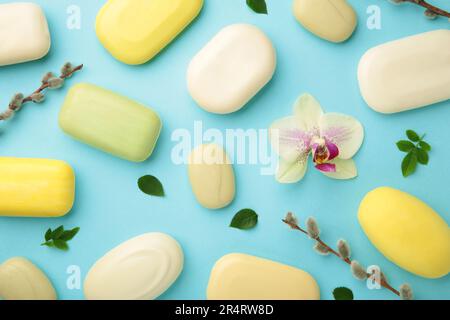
{"x": 134, "y": 31}
{"x": 139, "y": 269}
{"x": 407, "y": 231}
{"x": 332, "y": 20}
{"x": 22, "y": 280}
{"x": 211, "y": 175}
{"x": 24, "y": 34}
{"x": 244, "y": 277}
{"x": 231, "y": 69}
{"x": 408, "y": 73}
{"x": 36, "y": 187}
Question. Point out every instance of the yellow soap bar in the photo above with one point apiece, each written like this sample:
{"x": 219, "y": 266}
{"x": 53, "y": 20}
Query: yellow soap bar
{"x": 407, "y": 231}
{"x": 35, "y": 187}
{"x": 243, "y": 277}
{"x": 134, "y": 31}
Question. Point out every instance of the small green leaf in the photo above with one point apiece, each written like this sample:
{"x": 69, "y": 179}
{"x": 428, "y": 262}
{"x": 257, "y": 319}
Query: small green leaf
{"x": 409, "y": 163}
{"x": 151, "y": 186}
{"x": 244, "y": 219}
{"x": 342, "y": 293}
{"x": 425, "y": 146}
{"x": 57, "y": 232}
{"x": 61, "y": 244}
{"x": 258, "y": 6}
{"x": 422, "y": 156}
{"x": 405, "y": 146}
{"x": 48, "y": 235}
{"x": 412, "y": 135}
{"x": 69, "y": 234}
{"x": 47, "y": 243}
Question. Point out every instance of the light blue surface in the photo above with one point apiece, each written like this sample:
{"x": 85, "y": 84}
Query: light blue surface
{"x": 110, "y": 209}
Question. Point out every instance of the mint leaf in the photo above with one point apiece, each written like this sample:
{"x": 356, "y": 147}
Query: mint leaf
{"x": 425, "y": 146}
{"x": 151, "y": 185}
{"x": 58, "y": 238}
{"x": 409, "y": 163}
{"x": 422, "y": 156}
{"x": 412, "y": 135}
{"x": 244, "y": 219}
{"x": 258, "y": 6}
{"x": 69, "y": 234}
{"x": 405, "y": 146}
{"x": 48, "y": 235}
{"x": 342, "y": 293}
{"x": 61, "y": 244}
{"x": 57, "y": 232}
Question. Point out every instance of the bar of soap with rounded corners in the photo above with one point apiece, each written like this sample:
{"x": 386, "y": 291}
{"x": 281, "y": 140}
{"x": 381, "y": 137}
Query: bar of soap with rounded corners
{"x": 332, "y": 20}
{"x": 141, "y": 268}
{"x": 35, "y": 187}
{"x": 406, "y": 231}
{"x": 231, "y": 69}
{"x": 136, "y": 31}
{"x": 211, "y": 175}
{"x": 22, "y": 280}
{"x": 405, "y": 74}
{"x": 24, "y": 34}
{"x": 243, "y": 277}
{"x": 110, "y": 122}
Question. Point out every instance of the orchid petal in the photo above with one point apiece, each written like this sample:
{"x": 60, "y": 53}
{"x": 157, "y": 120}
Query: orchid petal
{"x": 291, "y": 172}
{"x": 289, "y": 139}
{"x": 326, "y": 167}
{"x": 308, "y": 110}
{"x": 345, "y": 169}
{"x": 332, "y": 149}
{"x": 344, "y": 131}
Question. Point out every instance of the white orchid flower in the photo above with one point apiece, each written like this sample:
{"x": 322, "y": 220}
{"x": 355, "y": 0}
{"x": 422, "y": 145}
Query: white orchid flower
{"x": 332, "y": 139}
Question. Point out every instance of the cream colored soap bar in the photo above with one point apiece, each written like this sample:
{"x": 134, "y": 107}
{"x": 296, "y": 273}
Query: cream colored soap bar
{"x": 134, "y": 31}
{"x": 243, "y": 277}
{"x": 35, "y": 187}
{"x": 407, "y": 231}
{"x": 211, "y": 175}
{"x": 408, "y": 73}
{"x": 332, "y": 20}
{"x": 24, "y": 34}
{"x": 139, "y": 269}
{"x": 22, "y": 280}
{"x": 231, "y": 69}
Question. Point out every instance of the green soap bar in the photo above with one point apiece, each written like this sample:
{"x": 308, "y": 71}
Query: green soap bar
{"x": 110, "y": 122}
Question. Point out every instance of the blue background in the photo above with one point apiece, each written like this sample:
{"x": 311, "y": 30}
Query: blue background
{"x": 110, "y": 209}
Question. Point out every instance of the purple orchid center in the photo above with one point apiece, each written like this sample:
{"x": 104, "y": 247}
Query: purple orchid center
{"x": 323, "y": 152}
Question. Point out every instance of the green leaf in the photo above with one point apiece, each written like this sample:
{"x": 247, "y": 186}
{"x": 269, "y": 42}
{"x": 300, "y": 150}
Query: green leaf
{"x": 61, "y": 244}
{"x": 409, "y": 163}
{"x": 258, "y": 6}
{"x": 422, "y": 156}
{"x": 412, "y": 135}
{"x": 47, "y": 243}
{"x": 425, "y": 146}
{"x": 57, "y": 232}
{"x": 244, "y": 219}
{"x": 342, "y": 293}
{"x": 48, "y": 235}
{"x": 151, "y": 186}
{"x": 405, "y": 146}
{"x": 69, "y": 234}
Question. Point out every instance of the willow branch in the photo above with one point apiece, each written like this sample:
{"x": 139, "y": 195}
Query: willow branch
{"x": 430, "y": 8}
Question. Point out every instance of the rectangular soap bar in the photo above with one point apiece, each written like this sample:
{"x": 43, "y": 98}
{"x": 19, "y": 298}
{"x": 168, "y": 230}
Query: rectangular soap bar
{"x": 35, "y": 187}
{"x": 24, "y": 34}
{"x": 110, "y": 122}
{"x": 405, "y": 74}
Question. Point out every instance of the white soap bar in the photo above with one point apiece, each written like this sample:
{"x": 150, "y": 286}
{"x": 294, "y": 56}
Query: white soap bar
{"x": 230, "y": 70}
{"x": 139, "y": 269}
{"x": 24, "y": 34}
{"x": 408, "y": 73}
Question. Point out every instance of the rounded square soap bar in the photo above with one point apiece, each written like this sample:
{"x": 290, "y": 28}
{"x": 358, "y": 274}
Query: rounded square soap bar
{"x": 110, "y": 122}
{"x": 35, "y": 187}
{"x": 24, "y": 34}
{"x": 231, "y": 69}
{"x": 134, "y": 31}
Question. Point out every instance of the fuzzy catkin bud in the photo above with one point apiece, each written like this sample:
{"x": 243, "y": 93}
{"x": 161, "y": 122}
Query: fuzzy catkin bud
{"x": 6, "y": 115}
{"x": 358, "y": 271}
{"x": 47, "y": 77}
{"x": 55, "y": 83}
{"x": 406, "y": 292}
{"x": 16, "y": 101}
{"x": 430, "y": 14}
{"x": 291, "y": 220}
{"x": 312, "y": 228}
{"x": 37, "y": 97}
{"x": 321, "y": 249}
{"x": 67, "y": 69}
{"x": 343, "y": 249}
